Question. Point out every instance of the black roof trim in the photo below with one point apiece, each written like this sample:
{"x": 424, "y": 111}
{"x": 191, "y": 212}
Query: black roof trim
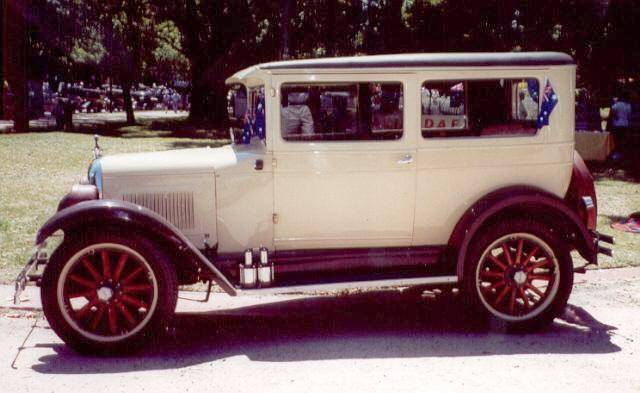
{"x": 477, "y": 59}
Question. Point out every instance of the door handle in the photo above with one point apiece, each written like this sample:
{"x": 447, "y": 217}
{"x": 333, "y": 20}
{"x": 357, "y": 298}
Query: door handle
{"x": 407, "y": 159}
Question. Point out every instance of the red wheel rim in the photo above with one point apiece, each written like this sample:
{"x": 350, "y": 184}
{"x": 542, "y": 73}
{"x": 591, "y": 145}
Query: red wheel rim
{"x": 517, "y": 276}
{"x": 107, "y": 292}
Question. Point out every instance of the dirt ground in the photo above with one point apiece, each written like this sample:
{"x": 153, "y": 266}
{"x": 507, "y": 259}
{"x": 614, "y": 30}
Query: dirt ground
{"x": 373, "y": 341}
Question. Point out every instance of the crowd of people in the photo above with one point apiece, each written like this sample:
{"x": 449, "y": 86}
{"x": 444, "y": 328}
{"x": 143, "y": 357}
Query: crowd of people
{"x": 45, "y": 99}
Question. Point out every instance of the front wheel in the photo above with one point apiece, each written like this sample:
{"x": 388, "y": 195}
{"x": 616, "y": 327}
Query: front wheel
{"x": 520, "y": 272}
{"x": 106, "y": 293}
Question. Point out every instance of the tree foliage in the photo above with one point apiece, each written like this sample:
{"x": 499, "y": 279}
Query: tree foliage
{"x": 204, "y": 41}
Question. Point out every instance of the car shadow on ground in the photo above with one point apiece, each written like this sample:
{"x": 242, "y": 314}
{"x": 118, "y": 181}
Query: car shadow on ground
{"x": 384, "y": 324}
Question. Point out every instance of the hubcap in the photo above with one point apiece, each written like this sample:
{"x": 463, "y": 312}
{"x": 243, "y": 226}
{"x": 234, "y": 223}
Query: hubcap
{"x": 520, "y": 277}
{"x": 107, "y": 292}
{"x": 517, "y": 276}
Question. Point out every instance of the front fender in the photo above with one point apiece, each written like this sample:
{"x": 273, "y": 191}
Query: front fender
{"x": 104, "y": 213}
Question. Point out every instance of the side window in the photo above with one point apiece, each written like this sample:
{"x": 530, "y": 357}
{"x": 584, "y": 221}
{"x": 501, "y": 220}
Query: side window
{"x": 246, "y": 113}
{"x": 496, "y": 107}
{"x": 341, "y": 112}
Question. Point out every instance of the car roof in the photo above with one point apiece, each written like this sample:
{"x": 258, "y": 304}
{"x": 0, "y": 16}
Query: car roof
{"x": 409, "y": 60}
{"x": 428, "y": 60}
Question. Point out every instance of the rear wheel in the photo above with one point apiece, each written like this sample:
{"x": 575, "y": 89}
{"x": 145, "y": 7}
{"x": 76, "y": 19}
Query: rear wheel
{"x": 107, "y": 293}
{"x": 519, "y": 272}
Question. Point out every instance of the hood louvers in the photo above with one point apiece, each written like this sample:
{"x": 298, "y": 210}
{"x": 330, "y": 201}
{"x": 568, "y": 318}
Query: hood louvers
{"x": 176, "y": 207}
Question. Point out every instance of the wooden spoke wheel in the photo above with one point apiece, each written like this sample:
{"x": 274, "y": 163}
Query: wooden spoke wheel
{"x": 517, "y": 276}
{"x": 519, "y": 271}
{"x": 107, "y": 293}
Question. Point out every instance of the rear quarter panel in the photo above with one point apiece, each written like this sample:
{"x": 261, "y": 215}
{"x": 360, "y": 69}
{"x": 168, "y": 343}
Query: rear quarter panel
{"x": 453, "y": 173}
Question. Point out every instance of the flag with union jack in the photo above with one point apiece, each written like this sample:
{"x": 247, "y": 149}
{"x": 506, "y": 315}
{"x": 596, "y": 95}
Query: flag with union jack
{"x": 549, "y": 101}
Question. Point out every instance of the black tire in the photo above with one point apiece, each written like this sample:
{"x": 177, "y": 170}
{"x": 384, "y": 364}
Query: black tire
{"x": 142, "y": 293}
{"x": 514, "y": 302}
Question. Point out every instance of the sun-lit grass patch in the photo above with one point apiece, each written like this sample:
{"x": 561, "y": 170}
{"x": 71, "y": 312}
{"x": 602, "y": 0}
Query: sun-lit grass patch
{"x": 617, "y": 199}
{"x": 37, "y": 169}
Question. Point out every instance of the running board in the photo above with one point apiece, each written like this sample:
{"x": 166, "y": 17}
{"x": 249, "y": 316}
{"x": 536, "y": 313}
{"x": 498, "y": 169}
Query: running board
{"x": 336, "y": 286}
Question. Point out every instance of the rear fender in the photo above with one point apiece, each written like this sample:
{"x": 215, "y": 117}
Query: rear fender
{"x": 582, "y": 186}
{"x": 524, "y": 201}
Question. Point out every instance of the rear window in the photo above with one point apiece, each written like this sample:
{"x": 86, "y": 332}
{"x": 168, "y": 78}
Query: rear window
{"x": 495, "y": 107}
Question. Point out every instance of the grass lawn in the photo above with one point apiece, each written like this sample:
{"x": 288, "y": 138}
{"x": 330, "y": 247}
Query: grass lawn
{"x": 37, "y": 169}
{"x": 617, "y": 198}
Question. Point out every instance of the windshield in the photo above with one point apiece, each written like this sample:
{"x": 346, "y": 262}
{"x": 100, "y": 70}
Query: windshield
{"x": 246, "y": 111}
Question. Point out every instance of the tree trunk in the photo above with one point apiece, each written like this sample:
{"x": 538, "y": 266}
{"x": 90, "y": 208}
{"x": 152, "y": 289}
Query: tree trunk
{"x": 199, "y": 93}
{"x": 218, "y": 108}
{"x": 287, "y": 11}
{"x": 110, "y": 95}
{"x": 368, "y": 30}
{"x": 2, "y": 51}
{"x": 128, "y": 104}
{"x": 197, "y": 59}
{"x": 16, "y": 67}
{"x": 331, "y": 22}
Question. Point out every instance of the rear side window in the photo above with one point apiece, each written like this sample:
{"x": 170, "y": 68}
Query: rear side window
{"x": 495, "y": 107}
{"x": 341, "y": 111}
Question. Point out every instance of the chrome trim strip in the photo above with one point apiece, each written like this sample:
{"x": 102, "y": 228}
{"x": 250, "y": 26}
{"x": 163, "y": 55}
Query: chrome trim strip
{"x": 401, "y": 282}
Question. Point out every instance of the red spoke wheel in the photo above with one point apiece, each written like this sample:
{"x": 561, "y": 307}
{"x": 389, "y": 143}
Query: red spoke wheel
{"x": 520, "y": 272}
{"x": 116, "y": 295}
{"x": 528, "y": 282}
{"x": 107, "y": 293}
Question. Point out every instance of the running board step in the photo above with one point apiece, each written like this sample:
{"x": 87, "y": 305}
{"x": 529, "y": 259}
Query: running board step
{"x": 337, "y": 286}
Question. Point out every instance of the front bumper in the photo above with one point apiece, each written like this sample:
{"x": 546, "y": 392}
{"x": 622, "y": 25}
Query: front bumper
{"x": 30, "y": 272}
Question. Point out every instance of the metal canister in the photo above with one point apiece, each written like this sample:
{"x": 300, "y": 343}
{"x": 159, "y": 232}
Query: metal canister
{"x": 248, "y": 272}
{"x": 264, "y": 255}
{"x": 248, "y": 257}
{"x": 265, "y": 270}
{"x": 248, "y": 276}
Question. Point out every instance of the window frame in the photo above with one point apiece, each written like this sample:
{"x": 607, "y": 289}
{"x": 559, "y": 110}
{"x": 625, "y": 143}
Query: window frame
{"x": 467, "y": 133}
{"x": 331, "y": 82}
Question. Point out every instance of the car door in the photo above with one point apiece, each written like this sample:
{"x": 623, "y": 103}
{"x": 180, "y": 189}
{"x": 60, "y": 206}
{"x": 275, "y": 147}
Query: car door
{"x": 349, "y": 179}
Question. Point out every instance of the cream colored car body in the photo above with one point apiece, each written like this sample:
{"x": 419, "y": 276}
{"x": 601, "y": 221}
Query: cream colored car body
{"x": 406, "y": 192}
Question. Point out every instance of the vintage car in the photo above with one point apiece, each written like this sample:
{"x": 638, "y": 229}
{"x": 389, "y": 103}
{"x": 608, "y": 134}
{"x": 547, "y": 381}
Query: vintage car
{"x": 358, "y": 172}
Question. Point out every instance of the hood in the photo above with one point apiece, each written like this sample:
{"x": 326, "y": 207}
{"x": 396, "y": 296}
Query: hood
{"x": 182, "y": 161}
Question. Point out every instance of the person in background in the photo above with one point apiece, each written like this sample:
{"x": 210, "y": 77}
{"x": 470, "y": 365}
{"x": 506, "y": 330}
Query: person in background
{"x": 296, "y": 117}
{"x": 620, "y": 114}
{"x": 175, "y": 101}
{"x": 68, "y": 108}
{"x": 58, "y": 113}
{"x": 166, "y": 100}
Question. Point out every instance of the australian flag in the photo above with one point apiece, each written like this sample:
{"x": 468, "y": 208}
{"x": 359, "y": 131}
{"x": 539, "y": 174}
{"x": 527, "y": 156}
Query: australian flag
{"x": 247, "y": 131}
{"x": 255, "y": 127}
{"x": 259, "y": 124}
{"x": 549, "y": 101}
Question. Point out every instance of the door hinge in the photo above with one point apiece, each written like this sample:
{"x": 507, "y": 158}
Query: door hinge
{"x": 275, "y": 218}
{"x": 273, "y": 162}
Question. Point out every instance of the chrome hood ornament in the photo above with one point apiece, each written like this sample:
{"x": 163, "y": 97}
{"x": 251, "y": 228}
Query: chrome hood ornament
{"x": 97, "y": 152}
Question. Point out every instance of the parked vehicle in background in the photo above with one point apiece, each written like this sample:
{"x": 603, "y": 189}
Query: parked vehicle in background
{"x": 375, "y": 171}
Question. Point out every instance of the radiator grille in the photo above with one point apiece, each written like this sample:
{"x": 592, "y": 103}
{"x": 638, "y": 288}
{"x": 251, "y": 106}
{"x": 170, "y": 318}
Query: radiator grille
{"x": 176, "y": 207}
